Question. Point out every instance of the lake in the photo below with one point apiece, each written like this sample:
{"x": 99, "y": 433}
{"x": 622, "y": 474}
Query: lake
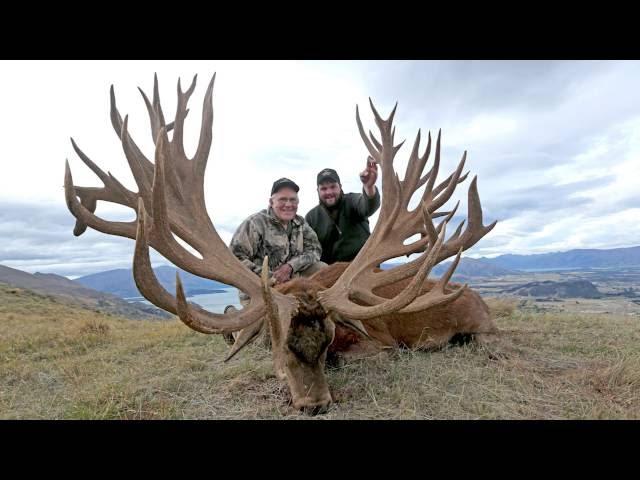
{"x": 213, "y": 302}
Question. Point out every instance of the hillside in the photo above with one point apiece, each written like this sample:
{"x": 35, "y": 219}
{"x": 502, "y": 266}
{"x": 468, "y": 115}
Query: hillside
{"x": 120, "y": 282}
{"x": 72, "y": 292}
{"x": 568, "y": 289}
{"x": 63, "y": 362}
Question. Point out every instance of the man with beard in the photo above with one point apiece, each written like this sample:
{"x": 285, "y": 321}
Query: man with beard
{"x": 341, "y": 220}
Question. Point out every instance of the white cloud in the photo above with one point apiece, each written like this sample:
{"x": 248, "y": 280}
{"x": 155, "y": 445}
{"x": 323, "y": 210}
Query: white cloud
{"x": 540, "y": 136}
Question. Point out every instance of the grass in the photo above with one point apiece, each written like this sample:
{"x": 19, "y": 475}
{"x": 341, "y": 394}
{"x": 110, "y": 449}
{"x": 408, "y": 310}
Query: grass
{"x": 62, "y": 362}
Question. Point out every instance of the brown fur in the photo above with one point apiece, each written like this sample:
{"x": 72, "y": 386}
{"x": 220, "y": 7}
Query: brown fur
{"x": 309, "y": 334}
{"x": 432, "y": 328}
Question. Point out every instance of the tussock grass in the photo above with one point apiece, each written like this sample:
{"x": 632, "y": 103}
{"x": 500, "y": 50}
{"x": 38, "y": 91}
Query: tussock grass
{"x": 501, "y": 307}
{"x": 61, "y": 362}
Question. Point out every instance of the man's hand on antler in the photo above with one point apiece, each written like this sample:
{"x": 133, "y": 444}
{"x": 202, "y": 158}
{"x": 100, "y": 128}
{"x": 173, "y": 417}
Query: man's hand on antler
{"x": 369, "y": 176}
{"x": 282, "y": 274}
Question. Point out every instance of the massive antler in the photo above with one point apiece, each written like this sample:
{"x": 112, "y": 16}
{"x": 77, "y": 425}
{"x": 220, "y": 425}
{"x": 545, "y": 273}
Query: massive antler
{"x": 353, "y": 295}
{"x": 170, "y": 200}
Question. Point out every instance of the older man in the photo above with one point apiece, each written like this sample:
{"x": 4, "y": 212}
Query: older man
{"x": 341, "y": 220}
{"x": 277, "y": 231}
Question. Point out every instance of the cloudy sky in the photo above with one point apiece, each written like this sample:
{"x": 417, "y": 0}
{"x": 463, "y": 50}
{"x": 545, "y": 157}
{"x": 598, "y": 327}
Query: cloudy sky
{"x": 555, "y": 144}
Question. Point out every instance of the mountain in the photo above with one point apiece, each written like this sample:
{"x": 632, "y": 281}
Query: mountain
{"x": 120, "y": 282}
{"x": 77, "y": 294}
{"x": 472, "y": 267}
{"x": 582, "y": 258}
{"x": 468, "y": 267}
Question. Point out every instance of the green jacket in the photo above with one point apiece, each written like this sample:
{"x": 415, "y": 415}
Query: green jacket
{"x": 262, "y": 234}
{"x": 342, "y": 240}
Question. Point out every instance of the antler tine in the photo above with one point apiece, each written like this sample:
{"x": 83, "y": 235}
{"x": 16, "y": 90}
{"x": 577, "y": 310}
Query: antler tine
{"x": 204, "y": 142}
{"x": 440, "y": 200}
{"x": 437, "y": 295}
{"x": 140, "y": 166}
{"x": 271, "y": 308}
{"x": 428, "y": 192}
{"x": 154, "y": 119}
{"x": 85, "y": 216}
{"x": 423, "y": 161}
{"x": 113, "y": 190}
{"x": 375, "y": 153}
{"x": 89, "y": 163}
{"x": 116, "y": 119}
{"x": 415, "y": 165}
{"x": 181, "y": 113}
{"x": 475, "y": 229}
{"x": 375, "y": 140}
{"x": 157, "y": 107}
{"x": 445, "y": 183}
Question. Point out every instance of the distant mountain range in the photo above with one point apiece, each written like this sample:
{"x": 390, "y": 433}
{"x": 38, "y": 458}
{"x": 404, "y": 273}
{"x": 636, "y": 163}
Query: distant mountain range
{"x": 120, "y": 282}
{"x": 516, "y": 264}
{"x": 582, "y": 258}
{"x": 75, "y": 293}
{"x": 101, "y": 290}
{"x": 471, "y": 267}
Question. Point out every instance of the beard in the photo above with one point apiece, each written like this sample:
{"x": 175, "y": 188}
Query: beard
{"x": 335, "y": 204}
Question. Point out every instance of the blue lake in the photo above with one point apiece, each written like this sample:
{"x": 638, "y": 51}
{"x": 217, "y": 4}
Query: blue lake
{"x": 213, "y": 302}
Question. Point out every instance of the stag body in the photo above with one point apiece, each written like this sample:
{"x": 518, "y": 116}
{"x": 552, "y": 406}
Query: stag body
{"x": 429, "y": 329}
{"x": 397, "y": 306}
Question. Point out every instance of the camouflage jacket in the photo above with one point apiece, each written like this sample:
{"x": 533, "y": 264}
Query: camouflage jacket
{"x": 262, "y": 234}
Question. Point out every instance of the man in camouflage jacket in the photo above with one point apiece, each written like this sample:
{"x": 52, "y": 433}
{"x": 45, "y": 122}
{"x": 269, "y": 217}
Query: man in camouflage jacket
{"x": 291, "y": 244}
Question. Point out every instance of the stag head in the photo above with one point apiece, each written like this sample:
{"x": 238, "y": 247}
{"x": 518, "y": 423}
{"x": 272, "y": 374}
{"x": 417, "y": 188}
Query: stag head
{"x": 299, "y": 315}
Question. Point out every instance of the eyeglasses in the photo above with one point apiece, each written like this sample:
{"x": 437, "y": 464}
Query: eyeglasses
{"x": 284, "y": 201}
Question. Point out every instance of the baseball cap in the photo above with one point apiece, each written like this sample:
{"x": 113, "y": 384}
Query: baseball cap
{"x": 284, "y": 182}
{"x": 328, "y": 175}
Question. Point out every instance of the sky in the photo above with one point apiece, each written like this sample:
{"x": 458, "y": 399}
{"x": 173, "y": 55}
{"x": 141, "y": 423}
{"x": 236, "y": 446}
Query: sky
{"x": 555, "y": 144}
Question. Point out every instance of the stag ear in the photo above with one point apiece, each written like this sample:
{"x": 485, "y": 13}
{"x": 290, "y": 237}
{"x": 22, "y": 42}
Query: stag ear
{"x": 354, "y": 325}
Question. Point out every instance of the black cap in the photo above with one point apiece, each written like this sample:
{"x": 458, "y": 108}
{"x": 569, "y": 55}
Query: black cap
{"x": 328, "y": 175}
{"x": 283, "y": 182}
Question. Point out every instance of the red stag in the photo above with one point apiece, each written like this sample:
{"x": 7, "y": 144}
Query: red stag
{"x": 387, "y": 307}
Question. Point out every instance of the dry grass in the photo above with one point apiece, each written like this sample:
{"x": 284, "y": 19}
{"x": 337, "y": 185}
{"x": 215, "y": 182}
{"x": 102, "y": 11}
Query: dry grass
{"x": 60, "y": 362}
{"x": 501, "y": 307}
